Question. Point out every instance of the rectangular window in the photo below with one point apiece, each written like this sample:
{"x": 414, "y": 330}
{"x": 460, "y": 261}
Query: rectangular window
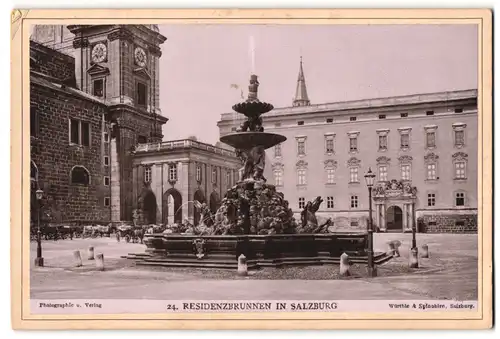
{"x": 353, "y": 144}
{"x": 330, "y": 175}
{"x": 141, "y": 139}
{"x": 460, "y": 199}
{"x": 354, "y": 224}
{"x": 431, "y": 139}
{"x": 429, "y": 113}
{"x": 172, "y": 173}
{"x": 382, "y": 142}
{"x": 85, "y": 126}
{"x": 352, "y": 119}
{"x": 300, "y": 123}
{"x": 301, "y": 147}
{"x": 147, "y": 174}
{"x": 460, "y": 170}
{"x": 214, "y": 175}
{"x": 106, "y": 160}
{"x": 460, "y": 223}
{"x": 106, "y": 137}
{"x": 98, "y": 87}
{"x": 107, "y": 201}
{"x": 329, "y": 144}
{"x": 459, "y": 138}
{"x": 353, "y": 174}
{"x": 405, "y": 141}
{"x": 431, "y": 199}
{"x": 431, "y": 171}
{"x": 278, "y": 177}
{"x": 404, "y": 115}
{"x": 381, "y": 116}
{"x": 106, "y": 181}
{"x": 329, "y": 120}
{"x": 198, "y": 173}
{"x": 79, "y": 132}
{"x": 382, "y": 173}
{"x": 277, "y": 150}
{"x": 302, "y": 202}
{"x": 405, "y": 172}
{"x": 329, "y": 202}
{"x": 459, "y": 110}
{"x": 301, "y": 176}
{"x": 34, "y": 122}
{"x": 75, "y": 131}
{"x": 141, "y": 94}
{"x": 354, "y": 201}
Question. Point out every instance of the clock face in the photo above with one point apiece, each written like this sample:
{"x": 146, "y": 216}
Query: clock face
{"x": 140, "y": 57}
{"x": 99, "y": 52}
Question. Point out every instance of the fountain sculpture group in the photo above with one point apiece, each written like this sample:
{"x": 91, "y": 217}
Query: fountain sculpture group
{"x": 254, "y": 219}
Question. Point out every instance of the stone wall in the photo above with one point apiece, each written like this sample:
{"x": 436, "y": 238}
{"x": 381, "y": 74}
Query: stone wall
{"x": 52, "y": 63}
{"x": 448, "y": 223}
{"x": 55, "y": 157}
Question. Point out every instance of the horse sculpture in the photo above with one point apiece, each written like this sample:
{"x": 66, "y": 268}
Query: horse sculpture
{"x": 205, "y": 226}
{"x": 309, "y": 221}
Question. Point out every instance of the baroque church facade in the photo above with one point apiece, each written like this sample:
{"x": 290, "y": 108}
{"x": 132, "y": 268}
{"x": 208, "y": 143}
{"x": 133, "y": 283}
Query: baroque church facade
{"x": 422, "y": 149}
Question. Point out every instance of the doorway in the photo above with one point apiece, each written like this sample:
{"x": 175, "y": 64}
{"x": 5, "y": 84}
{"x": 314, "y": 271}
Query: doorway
{"x": 394, "y": 219}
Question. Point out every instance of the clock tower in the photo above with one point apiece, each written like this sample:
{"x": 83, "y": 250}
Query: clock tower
{"x": 120, "y": 65}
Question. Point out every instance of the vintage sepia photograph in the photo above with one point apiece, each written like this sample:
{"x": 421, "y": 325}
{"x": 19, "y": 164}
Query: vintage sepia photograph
{"x": 200, "y": 168}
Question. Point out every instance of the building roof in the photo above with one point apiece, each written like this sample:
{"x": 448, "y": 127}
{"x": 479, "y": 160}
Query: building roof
{"x": 414, "y": 99}
{"x": 51, "y": 83}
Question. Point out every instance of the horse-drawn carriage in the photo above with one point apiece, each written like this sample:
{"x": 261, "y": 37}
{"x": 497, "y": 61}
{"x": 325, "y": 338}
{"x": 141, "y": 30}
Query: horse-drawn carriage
{"x": 95, "y": 231}
{"x": 129, "y": 233}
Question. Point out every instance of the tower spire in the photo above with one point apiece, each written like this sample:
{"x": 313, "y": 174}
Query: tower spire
{"x": 301, "y": 97}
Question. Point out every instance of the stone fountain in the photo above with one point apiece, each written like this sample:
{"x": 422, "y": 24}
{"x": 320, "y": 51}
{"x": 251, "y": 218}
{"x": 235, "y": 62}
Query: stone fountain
{"x": 254, "y": 218}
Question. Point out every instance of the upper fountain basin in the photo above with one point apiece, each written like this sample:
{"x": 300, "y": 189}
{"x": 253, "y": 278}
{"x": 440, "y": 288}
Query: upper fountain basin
{"x": 253, "y": 108}
{"x": 248, "y": 140}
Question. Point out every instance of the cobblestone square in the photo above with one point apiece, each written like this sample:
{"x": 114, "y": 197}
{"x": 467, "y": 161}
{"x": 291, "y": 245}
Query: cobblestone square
{"x": 449, "y": 273}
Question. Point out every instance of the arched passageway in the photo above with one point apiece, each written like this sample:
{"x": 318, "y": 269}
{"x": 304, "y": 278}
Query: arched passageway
{"x": 172, "y": 207}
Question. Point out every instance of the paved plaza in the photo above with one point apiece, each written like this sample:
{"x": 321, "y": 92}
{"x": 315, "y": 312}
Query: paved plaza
{"x": 449, "y": 273}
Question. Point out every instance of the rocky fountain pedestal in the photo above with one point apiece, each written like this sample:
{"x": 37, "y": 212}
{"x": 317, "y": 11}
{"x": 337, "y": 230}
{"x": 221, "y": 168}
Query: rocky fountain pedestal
{"x": 254, "y": 218}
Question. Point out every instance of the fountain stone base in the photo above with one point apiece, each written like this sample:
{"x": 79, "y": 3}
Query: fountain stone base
{"x": 217, "y": 251}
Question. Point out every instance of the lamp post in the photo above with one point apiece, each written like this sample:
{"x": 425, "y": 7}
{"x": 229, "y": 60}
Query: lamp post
{"x": 39, "y": 258}
{"x": 370, "y": 178}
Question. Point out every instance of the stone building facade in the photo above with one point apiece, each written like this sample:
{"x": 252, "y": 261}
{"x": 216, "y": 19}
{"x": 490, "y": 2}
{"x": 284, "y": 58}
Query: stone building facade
{"x": 66, "y": 135}
{"x": 106, "y": 79}
{"x": 170, "y": 176}
{"x": 424, "y": 142}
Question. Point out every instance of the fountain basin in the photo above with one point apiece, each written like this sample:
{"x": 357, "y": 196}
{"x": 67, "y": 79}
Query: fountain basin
{"x": 253, "y": 108}
{"x": 261, "y": 250}
{"x": 248, "y": 140}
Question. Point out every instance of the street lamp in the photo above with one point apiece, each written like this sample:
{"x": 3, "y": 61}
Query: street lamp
{"x": 370, "y": 178}
{"x": 39, "y": 258}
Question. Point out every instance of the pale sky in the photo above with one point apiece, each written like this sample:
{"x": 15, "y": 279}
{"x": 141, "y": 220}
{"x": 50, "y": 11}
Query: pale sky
{"x": 341, "y": 62}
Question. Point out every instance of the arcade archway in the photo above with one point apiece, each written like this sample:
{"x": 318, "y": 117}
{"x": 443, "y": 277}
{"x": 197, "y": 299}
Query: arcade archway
{"x": 172, "y": 207}
{"x": 214, "y": 202}
{"x": 149, "y": 208}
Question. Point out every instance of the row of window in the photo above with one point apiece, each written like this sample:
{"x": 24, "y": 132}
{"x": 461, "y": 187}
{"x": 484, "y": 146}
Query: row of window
{"x": 459, "y": 200}
{"x": 172, "y": 174}
{"x": 380, "y": 117}
{"x": 405, "y": 140}
{"x": 141, "y": 91}
{"x": 460, "y": 173}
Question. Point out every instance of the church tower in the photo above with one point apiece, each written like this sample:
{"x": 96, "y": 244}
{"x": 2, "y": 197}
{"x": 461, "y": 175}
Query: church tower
{"x": 301, "y": 98}
{"x": 120, "y": 65}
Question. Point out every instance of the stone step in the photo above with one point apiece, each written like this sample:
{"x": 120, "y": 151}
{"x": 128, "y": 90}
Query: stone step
{"x": 192, "y": 264}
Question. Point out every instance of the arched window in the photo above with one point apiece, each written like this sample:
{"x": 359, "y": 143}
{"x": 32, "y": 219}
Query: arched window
{"x": 80, "y": 175}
